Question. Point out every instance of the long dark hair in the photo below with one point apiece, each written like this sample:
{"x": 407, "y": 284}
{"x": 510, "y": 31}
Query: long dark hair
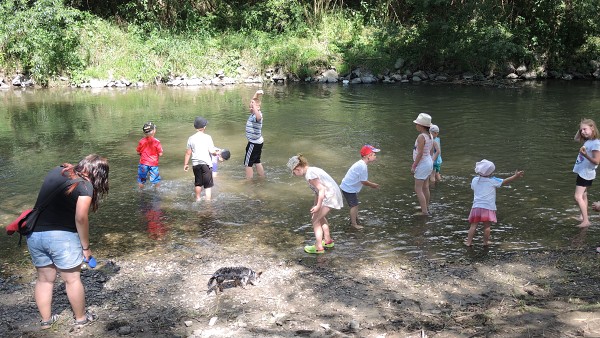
{"x": 93, "y": 168}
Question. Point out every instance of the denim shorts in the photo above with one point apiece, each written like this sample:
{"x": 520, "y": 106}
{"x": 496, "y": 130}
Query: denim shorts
{"x": 61, "y": 248}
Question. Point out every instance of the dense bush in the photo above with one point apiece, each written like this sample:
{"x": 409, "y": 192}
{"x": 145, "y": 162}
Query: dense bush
{"x": 141, "y": 39}
{"x": 40, "y": 39}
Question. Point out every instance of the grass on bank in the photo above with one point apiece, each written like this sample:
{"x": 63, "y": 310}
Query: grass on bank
{"x": 110, "y": 52}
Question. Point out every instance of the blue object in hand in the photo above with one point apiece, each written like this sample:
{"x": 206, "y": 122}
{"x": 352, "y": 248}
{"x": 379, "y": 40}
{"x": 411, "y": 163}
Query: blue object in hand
{"x": 91, "y": 262}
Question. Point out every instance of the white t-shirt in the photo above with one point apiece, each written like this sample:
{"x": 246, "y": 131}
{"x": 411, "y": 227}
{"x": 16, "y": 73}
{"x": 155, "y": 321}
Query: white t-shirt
{"x": 484, "y": 189}
{"x": 333, "y": 195}
{"x": 358, "y": 173}
{"x": 201, "y": 145}
{"x": 583, "y": 167}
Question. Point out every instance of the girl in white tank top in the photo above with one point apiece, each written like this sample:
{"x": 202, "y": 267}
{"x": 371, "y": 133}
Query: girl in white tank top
{"x": 422, "y": 161}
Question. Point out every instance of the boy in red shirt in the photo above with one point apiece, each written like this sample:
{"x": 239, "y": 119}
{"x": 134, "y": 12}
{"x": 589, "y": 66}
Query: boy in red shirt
{"x": 150, "y": 150}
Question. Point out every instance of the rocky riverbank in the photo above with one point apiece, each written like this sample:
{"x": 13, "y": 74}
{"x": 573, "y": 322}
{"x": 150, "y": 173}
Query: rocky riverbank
{"x": 163, "y": 294}
{"x": 401, "y": 73}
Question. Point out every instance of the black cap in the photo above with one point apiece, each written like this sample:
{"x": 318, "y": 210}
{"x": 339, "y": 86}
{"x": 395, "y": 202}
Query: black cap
{"x": 200, "y": 122}
{"x": 148, "y": 127}
{"x": 225, "y": 154}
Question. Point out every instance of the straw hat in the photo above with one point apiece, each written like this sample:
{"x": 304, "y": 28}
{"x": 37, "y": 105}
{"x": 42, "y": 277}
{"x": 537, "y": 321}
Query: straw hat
{"x": 423, "y": 119}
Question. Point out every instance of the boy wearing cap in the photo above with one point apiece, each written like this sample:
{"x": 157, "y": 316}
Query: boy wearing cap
{"x": 149, "y": 149}
{"x": 200, "y": 148}
{"x": 356, "y": 177}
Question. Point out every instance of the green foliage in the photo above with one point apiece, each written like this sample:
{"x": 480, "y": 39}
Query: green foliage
{"x": 142, "y": 39}
{"x": 40, "y": 39}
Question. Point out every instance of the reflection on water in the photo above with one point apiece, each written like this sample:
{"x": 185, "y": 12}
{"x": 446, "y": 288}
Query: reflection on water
{"x": 154, "y": 217}
{"x": 530, "y": 128}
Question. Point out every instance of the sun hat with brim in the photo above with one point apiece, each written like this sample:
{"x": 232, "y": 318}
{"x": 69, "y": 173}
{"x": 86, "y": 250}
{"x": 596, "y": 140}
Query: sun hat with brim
{"x": 293, "y": 163}
{"x": 484, "y": 167}
{"x": 423, "y": 120}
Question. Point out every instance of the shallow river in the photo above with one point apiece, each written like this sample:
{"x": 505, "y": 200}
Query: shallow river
{"x": 529, "y": 128}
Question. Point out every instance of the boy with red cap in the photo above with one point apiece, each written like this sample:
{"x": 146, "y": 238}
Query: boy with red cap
{"x": 356, "y": 177}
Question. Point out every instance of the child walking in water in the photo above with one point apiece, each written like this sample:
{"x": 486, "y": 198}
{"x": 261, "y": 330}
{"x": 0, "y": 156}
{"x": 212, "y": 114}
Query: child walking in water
{"x": 327, "y": 196}
{"x": 422, "y": 161}
{"x": 437, "y": 155}
{"x": 484, "y": 201}
{"x": 357, "y": 177}
{"x": 585, "y": 165}
{"x": 149, "y": 149}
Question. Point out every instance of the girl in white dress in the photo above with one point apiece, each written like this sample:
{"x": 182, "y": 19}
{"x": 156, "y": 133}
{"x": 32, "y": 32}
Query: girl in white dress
{"x": 327, "y": 196}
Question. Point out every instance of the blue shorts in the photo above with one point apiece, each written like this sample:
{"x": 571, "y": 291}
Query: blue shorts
{"x": 351, "y": 198}
{"x": 145, "y": 170}
{"x": 61, "y": 248}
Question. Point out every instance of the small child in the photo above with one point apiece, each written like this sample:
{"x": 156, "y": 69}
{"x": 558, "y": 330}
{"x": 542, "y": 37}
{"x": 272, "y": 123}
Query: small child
{"x": 437, "y": 155}
{"x": 200, "y": 148}
{"x": 149, "y": 149}
{"x": 585, "y": 165}
{"x": 422, "y": 161}
{"x": 484, "y": 202}
{"x": 356, "y": 177}
{"x": 222, "y": 155}
{"x": 327, "y": 196}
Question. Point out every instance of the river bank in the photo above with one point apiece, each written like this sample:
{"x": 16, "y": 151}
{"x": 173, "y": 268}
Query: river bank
{"x": 163, "y": 294}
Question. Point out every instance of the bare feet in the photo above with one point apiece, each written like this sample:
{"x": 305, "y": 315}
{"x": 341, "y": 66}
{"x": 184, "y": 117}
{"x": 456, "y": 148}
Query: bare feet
{"x": 467, "y": 243}
{"x": 356, "y": 226}
{"x": 584, "y": 225}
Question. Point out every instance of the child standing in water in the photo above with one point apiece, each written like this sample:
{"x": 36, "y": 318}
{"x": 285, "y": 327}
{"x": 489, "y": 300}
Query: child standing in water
{"x": 437, "y": 155}
{"x": 357, "y": 177}
{"x": 422, "y": 161}
{"x": 149, "y": 149}
{"x": 255, "y": 138}
{"x": 200, "y": 148}
{"x": 585, "y": 165}
{"x": 484, "y": 201}
{"x": 327, "y": 196}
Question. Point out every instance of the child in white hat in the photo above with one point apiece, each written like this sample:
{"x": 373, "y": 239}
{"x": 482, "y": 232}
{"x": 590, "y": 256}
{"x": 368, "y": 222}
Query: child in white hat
{"x": 436, "y": 175}
{"x": 484, "y": 201}
{"x": 422, "y": 161}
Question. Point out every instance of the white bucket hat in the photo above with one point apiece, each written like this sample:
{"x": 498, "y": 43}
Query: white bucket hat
{"x": 484, "y": 167}
{"x": 423, "y": 119}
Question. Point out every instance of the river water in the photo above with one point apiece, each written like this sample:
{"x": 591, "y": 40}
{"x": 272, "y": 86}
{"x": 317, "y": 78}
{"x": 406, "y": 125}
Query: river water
{"x": 529, "y": 128}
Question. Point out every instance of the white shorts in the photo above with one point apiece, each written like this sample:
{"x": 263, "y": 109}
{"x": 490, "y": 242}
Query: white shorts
{"x": 424, "y": 169}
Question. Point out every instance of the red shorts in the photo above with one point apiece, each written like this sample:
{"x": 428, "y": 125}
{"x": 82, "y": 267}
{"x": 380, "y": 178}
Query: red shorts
{"x": 482, "y": 215}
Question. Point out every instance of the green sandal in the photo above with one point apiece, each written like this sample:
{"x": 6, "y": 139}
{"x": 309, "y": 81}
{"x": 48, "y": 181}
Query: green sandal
{"x": 328, "y": 245}
{"x": 311, "y": 249}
